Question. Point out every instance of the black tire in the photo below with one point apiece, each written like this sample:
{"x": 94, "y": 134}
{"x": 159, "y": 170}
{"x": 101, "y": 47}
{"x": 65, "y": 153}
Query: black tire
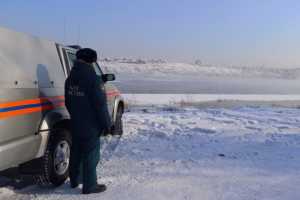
{"x": 118, "y": 126}
{"x": 50, "y": 174}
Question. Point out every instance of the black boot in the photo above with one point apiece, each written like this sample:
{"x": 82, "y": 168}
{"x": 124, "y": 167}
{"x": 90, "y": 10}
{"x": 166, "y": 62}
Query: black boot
{"x": 74, "y": 185}
{"x": 97, "y": 189}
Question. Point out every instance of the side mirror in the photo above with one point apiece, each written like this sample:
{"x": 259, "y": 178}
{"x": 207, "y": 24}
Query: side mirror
{"x": 108, "y": 77}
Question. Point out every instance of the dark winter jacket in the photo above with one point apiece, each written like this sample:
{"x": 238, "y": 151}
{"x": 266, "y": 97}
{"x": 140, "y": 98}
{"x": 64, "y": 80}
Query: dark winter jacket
{"x": 86, "y": 102}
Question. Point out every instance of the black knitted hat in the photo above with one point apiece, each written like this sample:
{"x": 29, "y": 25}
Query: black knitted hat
{"x": 88, "y": 55}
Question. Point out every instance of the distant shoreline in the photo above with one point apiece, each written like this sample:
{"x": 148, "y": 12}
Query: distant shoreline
{"x": 207, "y": 100}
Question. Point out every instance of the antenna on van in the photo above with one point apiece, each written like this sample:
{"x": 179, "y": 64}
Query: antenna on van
{"x": 65, "y": 24}
{"x": 78, "y": 34}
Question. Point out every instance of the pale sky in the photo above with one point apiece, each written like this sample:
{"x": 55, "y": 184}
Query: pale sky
{"x": 239, "y": 32}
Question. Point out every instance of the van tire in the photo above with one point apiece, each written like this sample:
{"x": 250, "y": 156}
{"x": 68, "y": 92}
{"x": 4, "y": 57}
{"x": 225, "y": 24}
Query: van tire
{"x": 118, "y": 127}
{"x": 50, "y": 174}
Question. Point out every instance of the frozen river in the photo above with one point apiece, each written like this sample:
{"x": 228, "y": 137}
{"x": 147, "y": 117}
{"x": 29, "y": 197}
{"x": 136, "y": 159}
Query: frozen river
{"x": 205, "y": 85}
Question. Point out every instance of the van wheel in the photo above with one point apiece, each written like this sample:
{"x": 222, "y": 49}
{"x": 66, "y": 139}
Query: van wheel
{"x": 118, "y": 127}
{"x": 55, "y": 162}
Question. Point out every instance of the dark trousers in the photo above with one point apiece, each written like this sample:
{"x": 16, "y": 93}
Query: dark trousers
{"x": 83, "y": 164}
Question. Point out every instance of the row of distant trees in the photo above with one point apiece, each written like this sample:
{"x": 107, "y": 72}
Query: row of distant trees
{"x": 141, "y": 61}
{"x": 133, "y": 61}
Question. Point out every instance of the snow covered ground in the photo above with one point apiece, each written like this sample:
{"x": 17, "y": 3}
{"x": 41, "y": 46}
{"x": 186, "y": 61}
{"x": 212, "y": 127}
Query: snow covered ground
{"x": 181, "y": 153}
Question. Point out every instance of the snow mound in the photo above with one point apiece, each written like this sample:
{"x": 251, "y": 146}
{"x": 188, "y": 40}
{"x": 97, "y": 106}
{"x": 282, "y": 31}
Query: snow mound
{"x": 6, "y": 194}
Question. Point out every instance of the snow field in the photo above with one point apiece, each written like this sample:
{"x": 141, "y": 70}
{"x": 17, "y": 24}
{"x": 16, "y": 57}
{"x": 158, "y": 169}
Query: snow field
{"x": 243, "y": 153}
{"x": 190, "y": 153}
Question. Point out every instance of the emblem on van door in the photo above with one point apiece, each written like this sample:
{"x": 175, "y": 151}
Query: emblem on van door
{"x": 75, "y": 91}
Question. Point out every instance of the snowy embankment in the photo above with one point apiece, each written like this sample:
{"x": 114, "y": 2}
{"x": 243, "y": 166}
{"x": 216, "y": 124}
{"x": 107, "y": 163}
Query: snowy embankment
{"x": 166, "y": 68}
{"x": 190, "y": 153}
{"x": 211, "y": 100}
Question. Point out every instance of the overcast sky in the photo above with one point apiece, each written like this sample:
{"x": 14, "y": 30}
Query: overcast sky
{"x": 249, "y": 32}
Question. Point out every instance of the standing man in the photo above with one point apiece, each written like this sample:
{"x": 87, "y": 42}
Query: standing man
{"x": 85, "y": 100}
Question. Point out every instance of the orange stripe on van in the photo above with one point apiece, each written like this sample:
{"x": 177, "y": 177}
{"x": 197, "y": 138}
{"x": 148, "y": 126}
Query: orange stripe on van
{"x": 31, "y": 101}
{"x": 114, "y": 93}
{"x": 25, "y": 111}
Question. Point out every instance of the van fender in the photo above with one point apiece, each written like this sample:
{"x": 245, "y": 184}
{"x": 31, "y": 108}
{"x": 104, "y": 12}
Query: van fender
{"x": 49, "y": 123}
{"x": 118, "y": 100}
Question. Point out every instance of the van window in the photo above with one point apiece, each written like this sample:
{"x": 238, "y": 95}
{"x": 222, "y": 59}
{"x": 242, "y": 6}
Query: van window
{"x": 71, "y": 58}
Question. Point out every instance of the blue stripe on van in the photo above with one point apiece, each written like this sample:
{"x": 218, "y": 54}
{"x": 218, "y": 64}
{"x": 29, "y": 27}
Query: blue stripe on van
{"x": 24, "y": 107}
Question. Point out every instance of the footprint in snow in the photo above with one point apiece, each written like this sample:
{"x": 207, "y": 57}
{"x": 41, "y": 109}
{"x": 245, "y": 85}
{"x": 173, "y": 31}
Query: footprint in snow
{"x": 203, "y": 130}
{"x": 283, "y": 127}
{"x": 252, "y": 122}
{"x": 253, "y": 128}
{"x": 173, "y": 117}
{"x": 160, "y": 135}
{"x": 174, "y": 122}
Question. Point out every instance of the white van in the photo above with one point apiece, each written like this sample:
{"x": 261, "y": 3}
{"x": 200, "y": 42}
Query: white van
{"x": 34, "y": 123}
